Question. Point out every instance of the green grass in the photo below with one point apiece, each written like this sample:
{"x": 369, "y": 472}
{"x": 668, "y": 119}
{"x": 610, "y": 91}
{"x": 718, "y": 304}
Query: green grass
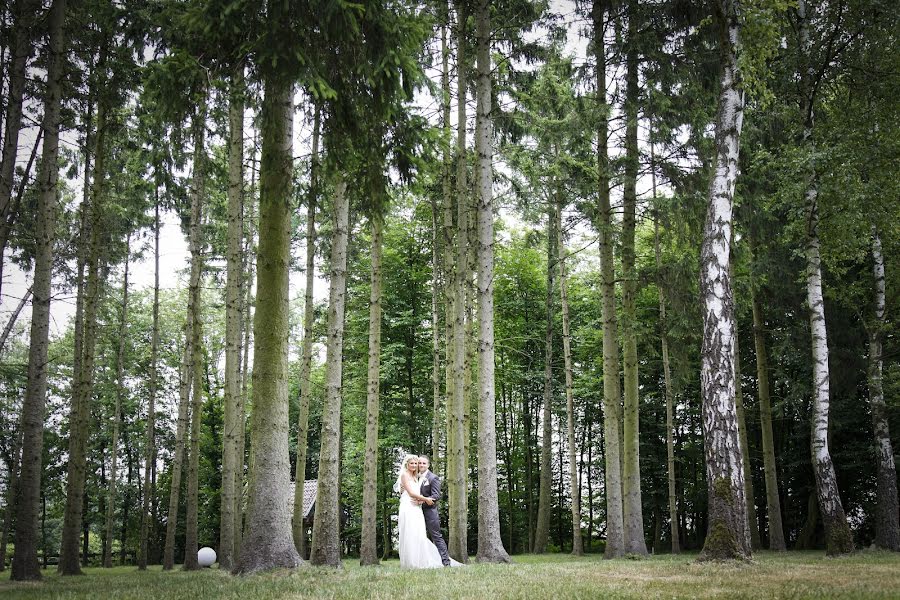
{"x": 792, "y": 575}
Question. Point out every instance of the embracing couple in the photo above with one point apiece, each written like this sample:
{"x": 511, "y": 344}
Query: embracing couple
{"x": 418, "y": 519}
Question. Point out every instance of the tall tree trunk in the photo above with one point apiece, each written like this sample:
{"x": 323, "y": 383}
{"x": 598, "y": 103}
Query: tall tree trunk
{"x": 196, "y": 365}
{"x": 773, "y": 503}
{"x": 631, "y": 469}
{"x": 117, "y": 415}
{"x": 574, "y": 463}
{"x": 887, "y": 528}
{"x": 12, "y": 211}
{"x": 234, "y": 270}
{"x": 667, "y": 379}
{"x": 149, "y": 488}
{"x": 25, "y": 564}
{"x": 490, "y": 544}
{"x": 299, "y": 528}
{"x": 246, "y": 315}
{"x": 457, "y": 488}
{"x": 542, "y": 528}
{"x": 838, "y": 538}
{"x": 84, "y": 374}
{"x": 25, "y": 14}
{"x": 368, "y": 554}
{"x": 12, "y": 486}
{"x": 749, "y": 493}
{"x": 268, "y": 542}
{"x": 615, "y": 532}
{"x": 326, "y": 547}
{"x": 26, "y": 298}
{"x": 727, "y": 536}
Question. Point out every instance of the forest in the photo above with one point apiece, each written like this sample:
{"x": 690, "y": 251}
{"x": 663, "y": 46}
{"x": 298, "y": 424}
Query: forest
{"x": 253, "y": 253}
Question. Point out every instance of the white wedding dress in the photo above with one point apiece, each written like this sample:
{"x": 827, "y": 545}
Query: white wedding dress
{"x": 416, "y": 550}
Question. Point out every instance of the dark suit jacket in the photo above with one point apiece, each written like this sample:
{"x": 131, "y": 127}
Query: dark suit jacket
{"x": 431, "y": 488}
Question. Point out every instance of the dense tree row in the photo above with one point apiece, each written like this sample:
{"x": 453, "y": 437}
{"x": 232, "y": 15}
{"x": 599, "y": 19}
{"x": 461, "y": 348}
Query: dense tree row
{"x": 652, "y": 191}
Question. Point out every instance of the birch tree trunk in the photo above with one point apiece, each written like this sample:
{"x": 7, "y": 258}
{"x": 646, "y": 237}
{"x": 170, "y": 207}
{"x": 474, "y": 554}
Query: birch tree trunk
{"x": 117, "y": 415}
{"x": 574, "y": 484}
{"x": 887, "y": 528}
{"x": 633, "y": 517}
{"x": 773, "y": 503}
{"x": 615, "y": 533}
{"x": 490, "y": 544}
{"x": 838, "y": 539}
{"x": 25, "y": 563}
{"x": 457, "y": 488}
{"x": 542, "y": 527}
{"x": 368, "y": 552}
{"x": 299, "y": 529}
{"x": 727, "y": 536}
{"x": 326, "y": 548}
{"x": 150, "y": 436}
{"x": 234, "y": 271}
{"x": 196, "y": 365}
{"x": 69, "y": 563}
{"x": 268, "y": 542}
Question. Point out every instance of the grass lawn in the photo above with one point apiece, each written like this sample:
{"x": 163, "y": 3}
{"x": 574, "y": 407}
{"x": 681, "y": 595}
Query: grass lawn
{"x": 769, "y": 576}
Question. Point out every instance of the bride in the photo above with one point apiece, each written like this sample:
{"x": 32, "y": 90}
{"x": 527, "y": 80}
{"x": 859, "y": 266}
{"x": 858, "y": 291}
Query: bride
{"x": 416, "y": 550}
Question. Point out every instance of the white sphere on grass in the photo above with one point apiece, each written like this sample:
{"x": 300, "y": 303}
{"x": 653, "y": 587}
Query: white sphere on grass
{"x": 206, "y": 556}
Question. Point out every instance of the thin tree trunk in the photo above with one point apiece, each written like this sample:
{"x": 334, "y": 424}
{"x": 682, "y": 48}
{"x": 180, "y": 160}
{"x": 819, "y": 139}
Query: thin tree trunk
{"x": 727, "y": 536}
{"x": 12, "y": 486}
{"x": 838, "y": 538}
{"x": 326, "y": 548}
{"x": 26, "y": 297}
{"x": 117, "y": 415}
{"x": 299, "y": 528}
{"x": 574, "y": 463}
{"x": 887, "y": 528}
{"x": 631, "y": 469}
{"x": 542, "y": 528}
{"x": 457, "y": 488}
{"x": 234, "y": 271}
{"x": 615, "y": 533}
{"x": 196, "y": 365}
{"x": 490, "y": 544}
{"x": 368, "y": 554}
{"x": 667, "y": 379}
{"x": 25, "y": 14}
{"x": 12, "y": 211}
{"x": 773, "y": 503}
{"x": 84, "y": 374}
{"x": 268, "y": 542}
{"x": 749, "y": 493}
{"x": 149, "y": 488}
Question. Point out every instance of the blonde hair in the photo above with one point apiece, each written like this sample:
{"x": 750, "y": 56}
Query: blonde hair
{"x": 398, "y": 485}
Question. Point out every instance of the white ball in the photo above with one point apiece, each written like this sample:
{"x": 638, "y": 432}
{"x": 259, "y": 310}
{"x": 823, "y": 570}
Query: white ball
{"x": 206, "y": 556}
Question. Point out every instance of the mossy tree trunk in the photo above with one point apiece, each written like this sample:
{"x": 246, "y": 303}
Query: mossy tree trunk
{"x": 727, "y": 535}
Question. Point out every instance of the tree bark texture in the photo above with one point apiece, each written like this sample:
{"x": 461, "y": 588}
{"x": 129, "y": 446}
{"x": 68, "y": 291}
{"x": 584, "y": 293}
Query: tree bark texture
{"x": 25, "y": 563}
{"x": 490, "y": 544}
{"x": 773, "y": 503}
{"x": 268, "y": 542}
{"x": 631, "y": 469}
{"x": 838, "y": 539}
{"x": 299, "y": 529}
{"x": 887, "y": 528}
{"x": 368, "y": 552}
{"x": 615, "y": 532}
{"x": 326, "y": 546}
{"x": 234, "y": 272}
{"x": 196, "y": 364}
{"x": 117, "y": 416}
{"x": 457, "y": 488}
{"x": 727, "y": 535}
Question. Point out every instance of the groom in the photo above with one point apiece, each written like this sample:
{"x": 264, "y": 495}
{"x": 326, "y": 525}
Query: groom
{"x": 431, "y": 488}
